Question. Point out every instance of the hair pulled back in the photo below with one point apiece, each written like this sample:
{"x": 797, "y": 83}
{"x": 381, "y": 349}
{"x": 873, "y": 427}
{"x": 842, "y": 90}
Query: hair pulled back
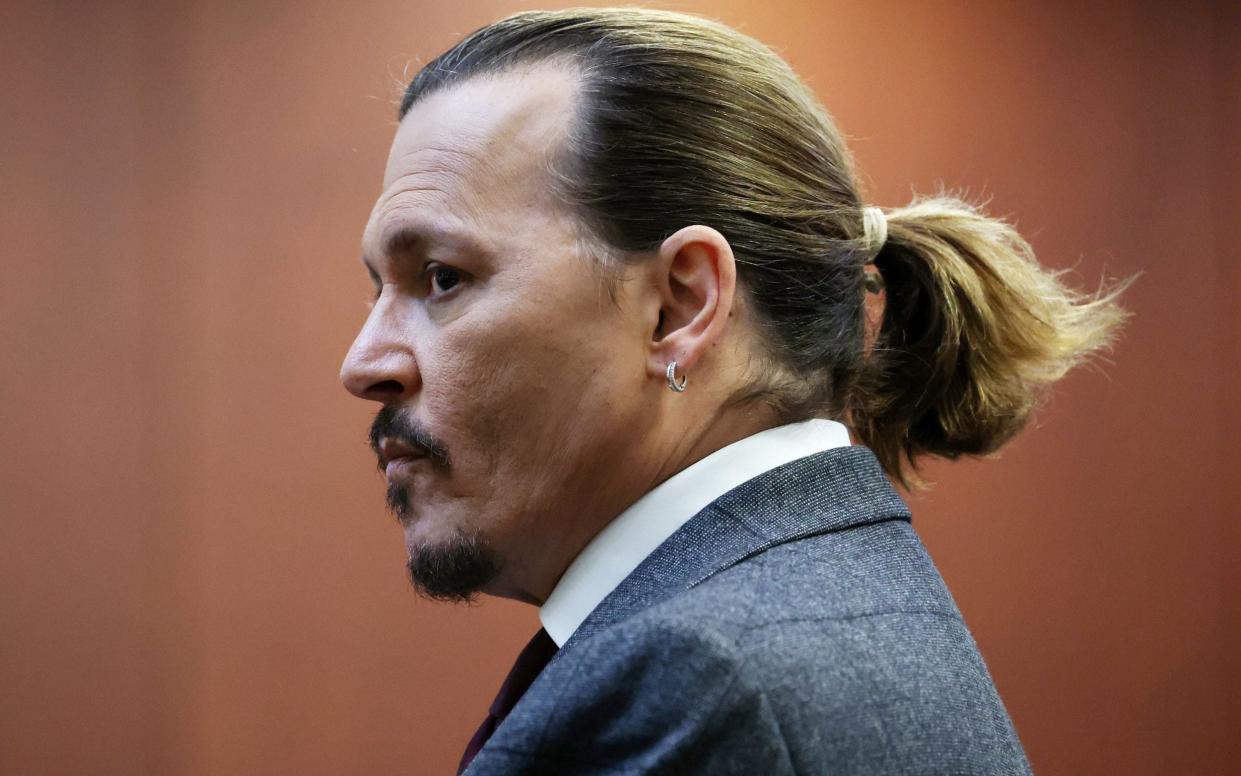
{"x": 684, "y": 121}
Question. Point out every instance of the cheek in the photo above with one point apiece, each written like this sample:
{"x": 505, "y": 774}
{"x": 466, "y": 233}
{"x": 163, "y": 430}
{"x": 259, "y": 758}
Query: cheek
{"x": 486, "y": 390}
{"x": 519, "y": 399}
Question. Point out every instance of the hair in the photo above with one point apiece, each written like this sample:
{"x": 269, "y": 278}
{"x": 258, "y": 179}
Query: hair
{"x": 680, "y": 120}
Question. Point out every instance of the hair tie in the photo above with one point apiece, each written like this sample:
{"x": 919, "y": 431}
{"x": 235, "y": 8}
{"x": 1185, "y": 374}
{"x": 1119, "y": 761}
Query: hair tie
{"x": 874, "y": 231}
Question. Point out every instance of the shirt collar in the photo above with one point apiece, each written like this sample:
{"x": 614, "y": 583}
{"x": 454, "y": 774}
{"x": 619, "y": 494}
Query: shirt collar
{"x": 623, "y": 544}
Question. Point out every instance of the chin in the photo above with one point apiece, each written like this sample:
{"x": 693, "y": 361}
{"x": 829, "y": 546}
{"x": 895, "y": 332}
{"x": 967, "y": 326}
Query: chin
{"x": 428, "y": 528}
{"x": 455, "y": 567}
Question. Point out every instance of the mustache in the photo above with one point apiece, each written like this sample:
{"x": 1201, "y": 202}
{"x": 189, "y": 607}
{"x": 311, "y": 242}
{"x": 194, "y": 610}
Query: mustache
{"x": 389, "y": 423}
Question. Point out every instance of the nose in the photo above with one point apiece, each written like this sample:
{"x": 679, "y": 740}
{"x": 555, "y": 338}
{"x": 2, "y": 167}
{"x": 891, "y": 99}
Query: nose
{"x": 380, "y": 365}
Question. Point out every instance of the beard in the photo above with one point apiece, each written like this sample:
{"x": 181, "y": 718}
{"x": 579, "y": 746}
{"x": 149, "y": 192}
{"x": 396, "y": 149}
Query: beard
{"x": 456, "y": 570}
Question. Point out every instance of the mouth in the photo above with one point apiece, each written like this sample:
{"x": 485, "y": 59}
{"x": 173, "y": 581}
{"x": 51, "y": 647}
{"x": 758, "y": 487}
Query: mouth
{"x": 396, "y": 439}
{"x": 398, "y": 466}
{"x": 396, "y": 456}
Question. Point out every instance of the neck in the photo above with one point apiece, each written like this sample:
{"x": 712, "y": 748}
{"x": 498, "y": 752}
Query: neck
{"x": 713, "y": 432}
{"x": 699, "y": 432}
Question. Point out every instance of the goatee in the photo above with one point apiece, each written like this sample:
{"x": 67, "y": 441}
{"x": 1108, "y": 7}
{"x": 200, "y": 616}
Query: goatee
{"x": 456, "y": 570}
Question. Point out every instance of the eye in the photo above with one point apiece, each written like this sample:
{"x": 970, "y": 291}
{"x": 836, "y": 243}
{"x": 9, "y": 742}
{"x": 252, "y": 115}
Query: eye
{"x": 442, "y": 279}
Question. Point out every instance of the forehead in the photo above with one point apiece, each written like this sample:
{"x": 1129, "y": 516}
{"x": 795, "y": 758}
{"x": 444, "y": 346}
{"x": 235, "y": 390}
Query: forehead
{"x": 480, "y": 145}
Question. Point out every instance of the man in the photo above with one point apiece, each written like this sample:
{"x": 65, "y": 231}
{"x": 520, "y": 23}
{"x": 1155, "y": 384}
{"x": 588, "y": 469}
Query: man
{"x": 626, "y": 295}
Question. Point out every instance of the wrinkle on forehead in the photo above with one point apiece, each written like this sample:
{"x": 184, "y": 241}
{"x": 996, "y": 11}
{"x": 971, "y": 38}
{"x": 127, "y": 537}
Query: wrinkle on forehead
{"x": 479, "y": 154}
{"x": 478, "y": 157}
{"x": 500, "y": 128}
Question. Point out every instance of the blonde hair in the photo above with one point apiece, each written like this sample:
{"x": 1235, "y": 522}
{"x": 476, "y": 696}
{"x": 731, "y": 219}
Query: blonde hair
{"x": 681, "y": 120}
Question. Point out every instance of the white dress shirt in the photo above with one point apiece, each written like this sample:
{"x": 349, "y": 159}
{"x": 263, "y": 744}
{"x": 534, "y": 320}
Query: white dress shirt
{"x": 625, "y": 542}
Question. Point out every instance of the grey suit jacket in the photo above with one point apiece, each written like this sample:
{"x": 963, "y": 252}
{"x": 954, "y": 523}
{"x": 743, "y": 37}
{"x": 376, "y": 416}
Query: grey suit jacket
{"x": 794, "y": 626}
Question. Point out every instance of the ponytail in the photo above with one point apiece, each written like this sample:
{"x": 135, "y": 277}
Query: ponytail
{"x": 973, "y": 330}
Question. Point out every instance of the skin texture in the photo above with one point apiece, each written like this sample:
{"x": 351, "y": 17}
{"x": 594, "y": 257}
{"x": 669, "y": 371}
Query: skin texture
{"x": 493, "y": 333}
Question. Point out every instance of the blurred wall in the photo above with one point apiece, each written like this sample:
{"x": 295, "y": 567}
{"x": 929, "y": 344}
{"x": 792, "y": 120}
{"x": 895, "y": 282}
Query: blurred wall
{"x": 196, "y": 571}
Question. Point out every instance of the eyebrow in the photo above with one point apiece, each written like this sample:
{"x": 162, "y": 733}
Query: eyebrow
{"x": 409, "y": 240}
{"x": 405, "y": 240}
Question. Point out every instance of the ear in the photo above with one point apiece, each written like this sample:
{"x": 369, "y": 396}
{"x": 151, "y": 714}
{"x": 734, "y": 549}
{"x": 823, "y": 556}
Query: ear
{"x": 696, "y": 277}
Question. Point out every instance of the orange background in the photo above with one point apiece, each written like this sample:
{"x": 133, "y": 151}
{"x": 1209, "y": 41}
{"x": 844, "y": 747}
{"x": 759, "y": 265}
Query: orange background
{"x": 196, "y": 571}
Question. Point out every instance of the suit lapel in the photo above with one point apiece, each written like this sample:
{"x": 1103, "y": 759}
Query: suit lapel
{"x": 829, "y": 491}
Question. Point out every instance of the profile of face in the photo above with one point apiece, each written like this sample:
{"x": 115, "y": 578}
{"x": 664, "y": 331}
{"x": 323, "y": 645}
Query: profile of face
{"x": 511, "y": 380}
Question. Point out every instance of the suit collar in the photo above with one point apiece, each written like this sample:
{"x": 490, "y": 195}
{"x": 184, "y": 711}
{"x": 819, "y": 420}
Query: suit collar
{"x": 614, "y": 553}
{"x": 828, "y": 491}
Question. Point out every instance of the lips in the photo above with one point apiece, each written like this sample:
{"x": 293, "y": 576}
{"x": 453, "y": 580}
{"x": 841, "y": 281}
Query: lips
{"x": 396, "y": 466}
{"x": 395, "y": 455}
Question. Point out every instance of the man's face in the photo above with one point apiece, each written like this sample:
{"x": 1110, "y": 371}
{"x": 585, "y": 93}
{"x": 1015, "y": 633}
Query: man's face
{"x": 511, "y": 383}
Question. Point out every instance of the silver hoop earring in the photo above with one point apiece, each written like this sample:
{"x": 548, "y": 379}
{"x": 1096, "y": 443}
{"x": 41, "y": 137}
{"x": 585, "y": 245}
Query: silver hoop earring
{"x": 672, "y": 378}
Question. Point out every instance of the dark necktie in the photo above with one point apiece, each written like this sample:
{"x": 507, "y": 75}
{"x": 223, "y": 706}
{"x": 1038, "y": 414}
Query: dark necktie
{"x": 529, "y": 663}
